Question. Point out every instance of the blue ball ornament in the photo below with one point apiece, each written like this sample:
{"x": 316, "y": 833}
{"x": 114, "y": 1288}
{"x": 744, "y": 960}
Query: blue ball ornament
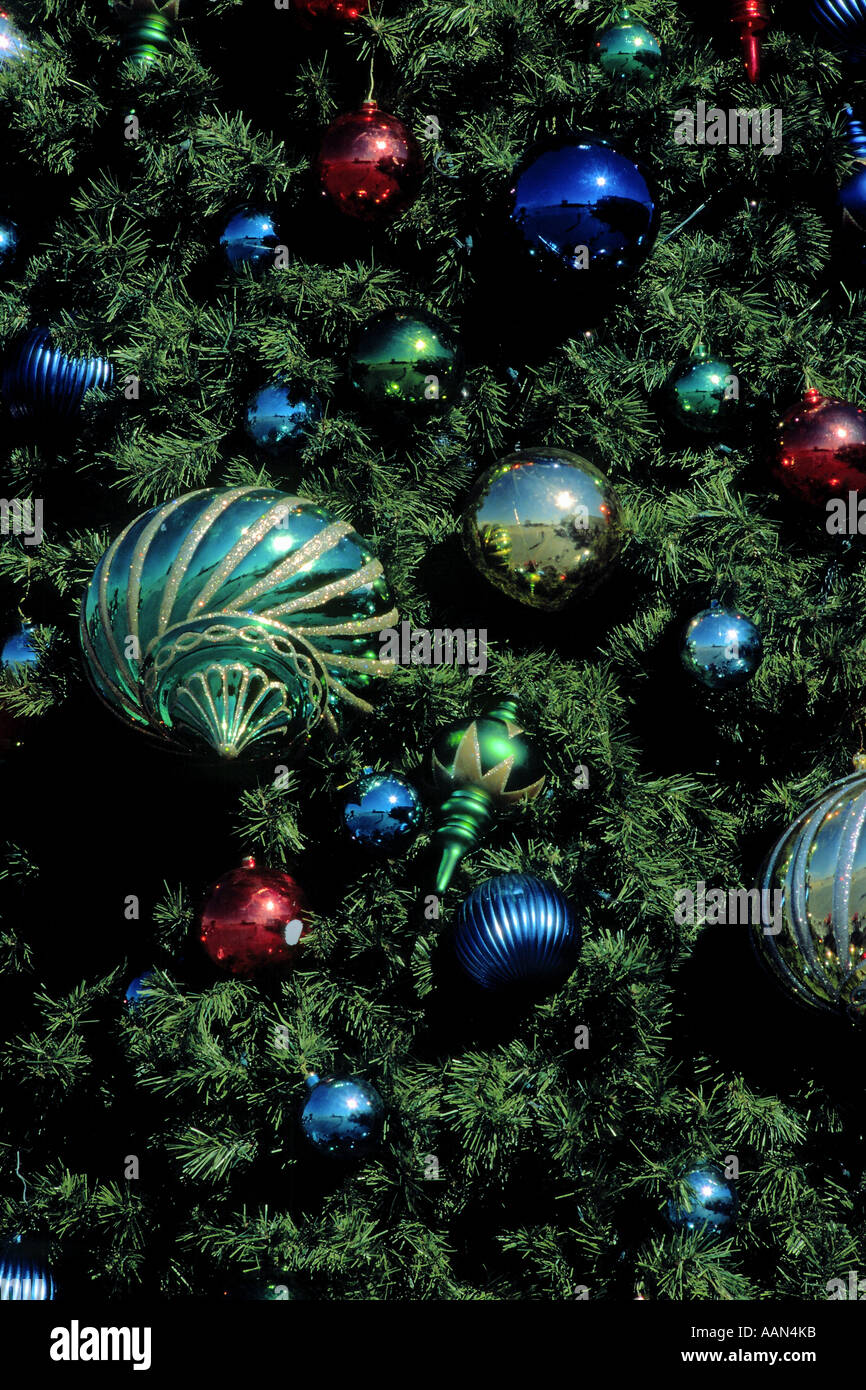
{"x": 13, "y": 45}
{"x": 584, "y": 209}
{"x": 250, "y": 237}
{"x": 517, "y": 930}
{"x": 713, "y": 1206}
{"x": 137, "y": 990}
{"x": 39, "y": 382}
{"x": 9, "y": 242}
{"x": 844, "y": 21}
{"x": 343, "y": 1116}
{"x": 25, "y": 1275}
{"x": 279, "y": 418}
{"x": 382, "y": 812}
{"x": 721, "y": 648}
{"x": 19, "y": 648}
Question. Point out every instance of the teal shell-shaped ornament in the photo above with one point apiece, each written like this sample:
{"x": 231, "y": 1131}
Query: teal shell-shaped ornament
{"x": 235, "y": 616}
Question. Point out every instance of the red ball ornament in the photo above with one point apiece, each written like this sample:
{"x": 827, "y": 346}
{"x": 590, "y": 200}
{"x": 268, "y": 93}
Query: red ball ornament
{"x": 370, "y": 164}
{"x": 821, "y": 449}
{"x": 312, "y": 13}
{"x": 253, "y": 919}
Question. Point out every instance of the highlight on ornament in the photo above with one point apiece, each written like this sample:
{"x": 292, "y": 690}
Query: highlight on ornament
{"x": 628, "y": 49}
{"x": 820, "y": 449}
{"x": 710, "y": 1205}
{"x": 407, "y": 358}
{"x": 235, "y": 619}
{"x": 253, "y": 919}
{"x": 342, "y": 1116}
{"x": 721, "y": 647}
{"x": 42, "y": 385}
{"x": 369, "y": 164}
{"x": 279, "y": 419}
{"x": 146, "y": 29}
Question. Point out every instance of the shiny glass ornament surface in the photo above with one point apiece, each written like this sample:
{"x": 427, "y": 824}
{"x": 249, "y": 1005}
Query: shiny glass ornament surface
{"x": 136, "y": 990}
{"x": 25, "y": 1274}
{"x": 544, "y": 525}
{"x": 279, "y": 418}
{"x": 721, "y": 648}
{"x": 382, "y": 812}
{"x": 712, "y": 1203}
{"x": 314, "y": 13}
{"x": 9, "y": 242}
{"x": 40, "y": 382}
{"x": 516, "y": 930}
{"x": 628, "y": 49}
{"x": 820, "y": 450}
{"x": 812, "y": 929}
{"x": 407, "y": 358}
{"x": 19, "y": 649}
{"x": 844, "y": 21}
{"x": 250, "y": 237}
{"x": 146, "y": 29}
{"x": 13, "y": 45}
{"x": 698, "y": 394}
{"x": 253, "y": 919}
{"x": 255, "y": 616}
{"x": 852, "y": 194}
{"x": 751, "y": 18}
{"x": 584, "y": 209}
{"x": 370, "y": 164}
{"x": 342, "y": 1116}
{"x": 479, "y": 764}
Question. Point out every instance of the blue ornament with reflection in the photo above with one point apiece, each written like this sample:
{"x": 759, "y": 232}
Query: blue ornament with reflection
{"x": 852, "y": 194}
{"x": 25, "y": 1275}
{"x": 582, "y": 207}
{"x": 19, "y": 649}
{"x": 721, "y": 648}
{"x": 137, "y": 990}
{"x": 9, "y": 241}
{"x": 713, "y": 1205}
{"x": 279, "y": 418}
{"x": 250, "y": 237}
{"x": 343, "y": 1116}
{"x": 517, "y": 930}
{"x": 13, "y": 45}
{"x": 382, "y": 812}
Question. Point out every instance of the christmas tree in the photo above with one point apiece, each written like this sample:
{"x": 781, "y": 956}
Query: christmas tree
{"x": 531, "y": 1143}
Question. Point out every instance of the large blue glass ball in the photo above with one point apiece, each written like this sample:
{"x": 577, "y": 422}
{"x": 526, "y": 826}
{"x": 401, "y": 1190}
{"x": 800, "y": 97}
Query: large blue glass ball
{"x": 382, "y": 812}
{"x": 712, "y": 1209}
{"x": 343, "y": 1116}
{"x": 516, "y": 930}
{"x": 279, "y": 418}
{"x": 844, "y": 21}
{"x": 250, "y": 237}
{"x": 584, "y": 208}
{"x": 721, "y": 648}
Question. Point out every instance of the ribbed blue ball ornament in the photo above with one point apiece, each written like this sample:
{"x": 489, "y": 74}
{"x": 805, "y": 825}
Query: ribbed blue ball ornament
{"x": 844, "y": 21}
{"x": 40, "y": 382}
{"x": 516, "y": 930}
{"x": 25, "y": 1276}
{"x": 852, "y": 194}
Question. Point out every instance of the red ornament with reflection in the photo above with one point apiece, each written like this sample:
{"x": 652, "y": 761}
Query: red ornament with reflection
{"x": 312, "y": 13}
{"x": 821, "y": 449}
{"x": 751, "y": 18}
{"x": 370, "y": 164}
{"x": 253, "y": 919}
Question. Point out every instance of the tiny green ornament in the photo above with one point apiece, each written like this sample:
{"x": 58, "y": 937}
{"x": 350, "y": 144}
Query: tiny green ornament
{"x": 628, "y": 49}
{"x": 703, "y": 393}
{"x": 480, "y": 763}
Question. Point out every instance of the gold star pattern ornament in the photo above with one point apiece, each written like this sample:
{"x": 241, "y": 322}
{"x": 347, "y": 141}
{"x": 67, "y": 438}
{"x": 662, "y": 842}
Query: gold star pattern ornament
{"x": 480, "y": 764}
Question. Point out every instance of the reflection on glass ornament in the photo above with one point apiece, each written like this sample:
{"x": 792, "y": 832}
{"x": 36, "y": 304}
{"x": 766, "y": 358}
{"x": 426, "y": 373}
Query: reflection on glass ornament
{"x": 13, "y": 45}
{"x": 721, "y": 648}
{"x": 820, "y": 451}
{"x": 279, "y": 418}
{"x": 584, "y": 209}
{"x": 812, "y": 930}
{"x": 543, "y": 525}
{"x": 9, "y": 242}
{"x": 629, "y": 49}
{"x": 407, "y": 357}
{"x": 370, "y": 164}
{"x": 751, "y": 17}
{"x": 845, "y": 22}
{"x": 382, "y": 812}
{"x": 19, "y": 648}
{"x": 250, "y": 237}
{"x": 702, "y": 393}
{"x": 852, "y": 194}
{"x": 712, "y": 1205}
{"x": 234, "y": 617}
{"x": 146, "y": 29}
{"x": 342, "y": 1116}
{"x": 253, "y": 919}
{"x": 137, "y": 990}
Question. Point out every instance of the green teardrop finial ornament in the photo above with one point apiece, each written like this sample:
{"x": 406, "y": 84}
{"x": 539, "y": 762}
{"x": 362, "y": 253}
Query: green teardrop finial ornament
{"x": 480, "y": 763}
{"x": 146, "y": 29}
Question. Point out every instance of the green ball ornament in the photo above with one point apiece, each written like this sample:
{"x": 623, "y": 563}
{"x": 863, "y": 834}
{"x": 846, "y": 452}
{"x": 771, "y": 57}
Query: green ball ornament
{"x": 234, "y": 617}
{"x": 628, "y": 49}
{"x": 479, "y": 764}
{"x": 407, "y": 359}
{"x": 703, "y": 393}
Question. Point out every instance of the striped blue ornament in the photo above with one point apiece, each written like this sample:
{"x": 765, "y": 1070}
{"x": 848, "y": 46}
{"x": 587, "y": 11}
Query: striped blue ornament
{"x": 39, "y": 381}
{"x": 844, "y": 21}
{"x": 25, "y": 1276}
{"x": 516, "y": 930}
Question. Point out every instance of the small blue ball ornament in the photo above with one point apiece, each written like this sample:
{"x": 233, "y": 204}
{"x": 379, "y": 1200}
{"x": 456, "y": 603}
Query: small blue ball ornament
{"x": 279, "y": 418}
{"x": 583, "y": 209}
{"x": 9, "y": 242}
{"x": 25, "y": 1275}
{"x": 713, "y": 1206}
{"x": 39, "y": 382}
{"x": 517, "y": 930}
{"x": 137, "y": 990}
{"x": 382, "y": 812}
{"x": 19, "y": 649}
{"x": 250, "y": 237}
{"x": 343, "y": 1116}
{"x": 721, "y": 648}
